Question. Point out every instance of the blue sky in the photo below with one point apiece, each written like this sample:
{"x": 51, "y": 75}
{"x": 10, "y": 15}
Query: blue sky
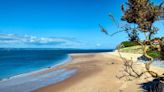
{"x": 60, "y": 23}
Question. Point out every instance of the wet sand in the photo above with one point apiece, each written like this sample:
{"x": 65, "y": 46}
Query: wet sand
{"x": 95, "y": 73}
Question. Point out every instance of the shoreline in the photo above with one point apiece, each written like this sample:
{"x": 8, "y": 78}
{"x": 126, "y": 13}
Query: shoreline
{"x": 89, "y": 72}
{"x": 23, "y": 79}
{"x": 94, "y": 74}
{"x": 28, "y": 82}
{"x": 38, "y": 70}
{"x": 97, "y": 73}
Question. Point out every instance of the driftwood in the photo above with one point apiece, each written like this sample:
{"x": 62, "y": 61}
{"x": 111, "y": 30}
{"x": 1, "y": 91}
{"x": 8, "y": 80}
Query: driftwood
{"x": 143, "y": 14}
{"x": 131, "y": 72}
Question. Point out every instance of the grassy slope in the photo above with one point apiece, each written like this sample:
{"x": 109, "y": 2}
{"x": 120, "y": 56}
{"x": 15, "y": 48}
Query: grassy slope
{"x": 133, "y": 49}
{"x": 138, "y": 50}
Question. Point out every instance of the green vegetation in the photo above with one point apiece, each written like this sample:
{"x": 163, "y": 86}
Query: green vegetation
{"x": 132, "y": 49}
{"x": 154, "y": 54}
{"x": 162, "y": 48}
{"x": 141, "y": 15}
{"x": 128, "y": 44}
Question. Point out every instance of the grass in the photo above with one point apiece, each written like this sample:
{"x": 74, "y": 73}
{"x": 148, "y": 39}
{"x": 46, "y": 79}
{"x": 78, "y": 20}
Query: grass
{"x": 133, "y": 49}
{"x": 138, "y": 50}
{"x": 129, "y": 44}
{"x": 154, "y": 54}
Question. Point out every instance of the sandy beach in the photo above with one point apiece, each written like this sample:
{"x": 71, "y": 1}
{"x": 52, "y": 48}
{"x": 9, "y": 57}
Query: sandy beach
{"x": 96, "y": 73}
{"x": 81, "y": 46}
{"x": 85, "y": 72}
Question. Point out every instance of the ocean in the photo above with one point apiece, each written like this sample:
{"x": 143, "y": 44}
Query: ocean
{"x": 16, "y": 61}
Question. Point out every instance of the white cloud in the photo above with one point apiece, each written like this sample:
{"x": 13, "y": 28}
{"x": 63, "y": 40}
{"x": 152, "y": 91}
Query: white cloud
{"x": 12, "y": 39}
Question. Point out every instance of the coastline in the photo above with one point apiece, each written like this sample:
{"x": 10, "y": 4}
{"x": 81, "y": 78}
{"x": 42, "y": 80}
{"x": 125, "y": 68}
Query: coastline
{"x": 19, "y": 82}
{"x": 39, "y": 70}
{"x": 85, "y": 72}
{"x": 95, "y": 73}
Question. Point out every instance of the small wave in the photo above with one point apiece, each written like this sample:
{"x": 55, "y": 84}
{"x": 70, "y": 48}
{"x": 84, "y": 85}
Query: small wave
{"x": 30, "y": 83}
{"x": 67, "y": 59}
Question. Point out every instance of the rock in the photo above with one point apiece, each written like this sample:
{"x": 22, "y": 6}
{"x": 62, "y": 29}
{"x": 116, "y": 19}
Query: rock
{"x": 153, "y": 86}
{"x": 143, "y": 58}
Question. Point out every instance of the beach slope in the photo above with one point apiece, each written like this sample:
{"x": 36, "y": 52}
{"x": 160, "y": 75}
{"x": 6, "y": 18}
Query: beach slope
{"x": 96, "y": 73}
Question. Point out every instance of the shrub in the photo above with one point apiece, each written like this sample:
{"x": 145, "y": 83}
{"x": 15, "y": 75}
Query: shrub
{"x": 162, "y": 48}
{"x": 154, "y": 54}
{"x": 129, "y": 44}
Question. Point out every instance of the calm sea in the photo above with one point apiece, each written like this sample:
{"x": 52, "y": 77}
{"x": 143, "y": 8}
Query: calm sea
{"x": 18, "y": 61}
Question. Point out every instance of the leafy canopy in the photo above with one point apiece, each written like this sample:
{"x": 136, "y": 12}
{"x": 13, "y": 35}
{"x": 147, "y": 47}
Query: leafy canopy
{"x": 143, "y": 13}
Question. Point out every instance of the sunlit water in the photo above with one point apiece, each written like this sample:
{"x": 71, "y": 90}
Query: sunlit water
{"x": 18, "y": 61}
{"x": 17, "y": 66}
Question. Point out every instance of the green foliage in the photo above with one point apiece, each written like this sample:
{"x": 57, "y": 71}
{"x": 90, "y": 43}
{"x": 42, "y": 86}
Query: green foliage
{"x": 154, "y": 54}
{"x": 129, "y": 44}
{"x": 133, "y": 49}
{"x": 132, "y": 33}
{"x": 162, "y": 48}
{"x": 143, "y": 13}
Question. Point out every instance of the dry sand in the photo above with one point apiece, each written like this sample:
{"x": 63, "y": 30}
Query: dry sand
{"x": 96, "y": 73}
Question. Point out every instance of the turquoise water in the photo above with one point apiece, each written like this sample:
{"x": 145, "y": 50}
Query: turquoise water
{"x": 31, "y": 83}
{"x": 15, "y": 62}
{"x": 18, "y": 61}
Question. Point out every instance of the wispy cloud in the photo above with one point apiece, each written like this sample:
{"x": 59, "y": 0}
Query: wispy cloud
{"x": 12, "y": 39}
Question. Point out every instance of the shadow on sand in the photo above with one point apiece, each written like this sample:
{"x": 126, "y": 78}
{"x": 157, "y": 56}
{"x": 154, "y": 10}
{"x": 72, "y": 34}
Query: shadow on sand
{"x": 153, "y": 86}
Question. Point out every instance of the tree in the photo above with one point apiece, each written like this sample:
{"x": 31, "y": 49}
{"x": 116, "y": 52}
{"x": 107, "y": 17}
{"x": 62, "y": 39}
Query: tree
{"x": 162, "y": 48}
{"x": 142, "y": 13}
{"x": 131, "y": 32}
